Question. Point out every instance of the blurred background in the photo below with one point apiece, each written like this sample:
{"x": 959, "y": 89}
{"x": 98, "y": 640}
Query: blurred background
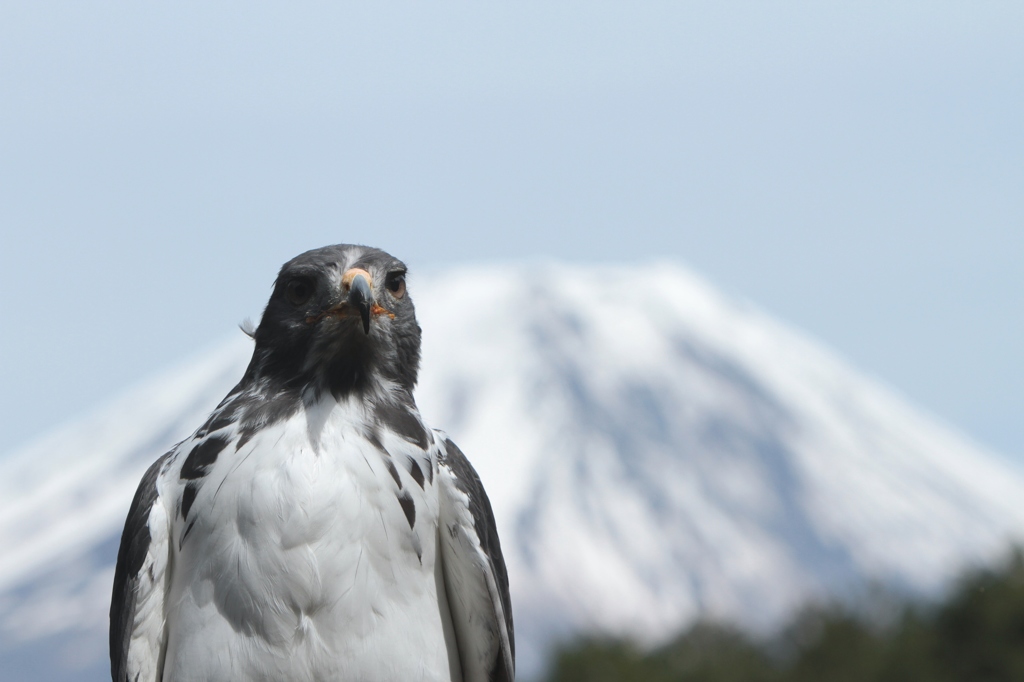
{"x": 854, "y": 169}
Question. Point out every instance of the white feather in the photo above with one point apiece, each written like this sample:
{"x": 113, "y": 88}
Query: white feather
{"x": 302, "y": 563}
{"x": 474, "y": 599}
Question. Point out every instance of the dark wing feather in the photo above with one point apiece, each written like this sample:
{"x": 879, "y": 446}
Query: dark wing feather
{"x": 135, "y": 554}
{"x": 475, "y": 577}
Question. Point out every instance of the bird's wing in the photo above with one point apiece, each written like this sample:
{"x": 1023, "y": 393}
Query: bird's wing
{"x": 140, "y": 583}
{"x": 474, "y": 573}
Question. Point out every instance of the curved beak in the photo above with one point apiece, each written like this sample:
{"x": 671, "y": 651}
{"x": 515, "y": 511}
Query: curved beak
{"x": 360, "y": 295}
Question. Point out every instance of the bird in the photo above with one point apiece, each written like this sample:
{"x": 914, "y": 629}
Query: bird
{"x": 313, "y": 528}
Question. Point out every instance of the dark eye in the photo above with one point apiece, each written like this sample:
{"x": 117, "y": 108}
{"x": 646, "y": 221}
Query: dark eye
{"x": 298, "y": 291}
{"x": 395, "y": 283}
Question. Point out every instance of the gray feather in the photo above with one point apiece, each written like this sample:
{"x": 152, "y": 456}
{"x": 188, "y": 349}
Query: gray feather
{"x": 130, "y": 558}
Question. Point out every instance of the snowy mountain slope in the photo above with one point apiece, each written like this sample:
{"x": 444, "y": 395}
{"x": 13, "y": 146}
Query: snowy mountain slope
{"x": 653, "y": 452}
{"x": 673, "y": 453}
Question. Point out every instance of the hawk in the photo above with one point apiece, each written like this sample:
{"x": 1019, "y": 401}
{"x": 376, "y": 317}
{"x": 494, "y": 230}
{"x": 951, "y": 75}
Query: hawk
{"x": 313, "y": 528}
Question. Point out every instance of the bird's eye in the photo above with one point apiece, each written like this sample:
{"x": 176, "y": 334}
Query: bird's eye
{"x": 395, "y": 283}
{"x": 298, "y": 291}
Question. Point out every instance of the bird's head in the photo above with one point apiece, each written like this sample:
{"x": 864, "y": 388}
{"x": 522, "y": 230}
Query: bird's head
{"x": 339, "y": 320}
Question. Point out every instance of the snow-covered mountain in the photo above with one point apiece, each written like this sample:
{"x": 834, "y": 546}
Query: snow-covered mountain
{"x": 653, "y": 451}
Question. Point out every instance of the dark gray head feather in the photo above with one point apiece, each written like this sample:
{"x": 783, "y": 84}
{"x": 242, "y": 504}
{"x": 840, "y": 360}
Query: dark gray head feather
{"x": 301, "y": 346}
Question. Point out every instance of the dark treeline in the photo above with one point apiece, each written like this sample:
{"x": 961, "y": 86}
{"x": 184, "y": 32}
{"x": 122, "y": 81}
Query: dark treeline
{"x": 975, "y": 635}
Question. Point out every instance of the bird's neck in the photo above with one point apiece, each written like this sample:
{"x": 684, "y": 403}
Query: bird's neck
{"x": 344, "y": 375}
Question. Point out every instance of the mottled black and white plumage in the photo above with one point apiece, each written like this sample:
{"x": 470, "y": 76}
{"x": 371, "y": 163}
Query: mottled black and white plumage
{"x": 313, "y": 528}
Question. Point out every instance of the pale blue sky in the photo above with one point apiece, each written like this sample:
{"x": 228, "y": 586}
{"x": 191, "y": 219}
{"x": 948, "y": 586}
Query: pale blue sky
{"x": 856, "y": 169}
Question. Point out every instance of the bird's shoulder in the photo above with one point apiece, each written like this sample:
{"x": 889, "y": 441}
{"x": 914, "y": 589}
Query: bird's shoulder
{"x": 474, "y": 568}
{"x": 137, "y": 605}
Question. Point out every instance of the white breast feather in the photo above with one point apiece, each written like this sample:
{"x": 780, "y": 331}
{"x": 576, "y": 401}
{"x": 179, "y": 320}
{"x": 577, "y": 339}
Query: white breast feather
{"x": 303, "y": 565}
